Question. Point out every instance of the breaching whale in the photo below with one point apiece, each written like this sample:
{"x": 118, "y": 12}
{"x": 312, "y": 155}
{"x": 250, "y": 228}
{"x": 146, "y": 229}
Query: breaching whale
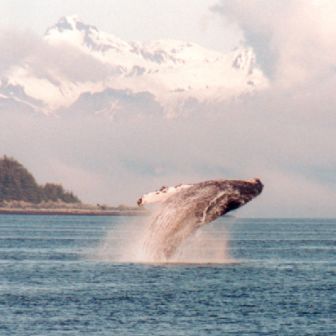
{"x": 186, "y": 207}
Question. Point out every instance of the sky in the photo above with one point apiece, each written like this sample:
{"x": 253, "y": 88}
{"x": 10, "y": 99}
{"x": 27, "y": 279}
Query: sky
{"x": 284, "y": 135}
{"x": 189, "y": 20}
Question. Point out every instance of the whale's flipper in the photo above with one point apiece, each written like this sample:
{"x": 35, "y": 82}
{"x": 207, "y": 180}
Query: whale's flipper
{"x": 161, "y": 195}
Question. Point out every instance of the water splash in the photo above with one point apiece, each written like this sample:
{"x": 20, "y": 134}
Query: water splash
{"x": 127, "y": 242}
{"x": 184, "y": 242}
{"x": 175, "y": 232}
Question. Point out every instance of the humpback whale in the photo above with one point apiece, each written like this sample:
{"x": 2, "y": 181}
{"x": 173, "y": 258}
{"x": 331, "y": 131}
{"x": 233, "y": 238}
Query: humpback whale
{"x": 186, "y": 207}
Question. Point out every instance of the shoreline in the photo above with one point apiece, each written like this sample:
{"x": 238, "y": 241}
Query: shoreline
{"x": 72, "y": 212}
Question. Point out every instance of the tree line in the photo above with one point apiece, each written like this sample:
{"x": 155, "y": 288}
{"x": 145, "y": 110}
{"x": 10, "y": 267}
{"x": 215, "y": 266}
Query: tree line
{"x": 17, "y": 183}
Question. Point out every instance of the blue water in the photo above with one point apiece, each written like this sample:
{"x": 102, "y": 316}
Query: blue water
{"x": 284, "y": 282}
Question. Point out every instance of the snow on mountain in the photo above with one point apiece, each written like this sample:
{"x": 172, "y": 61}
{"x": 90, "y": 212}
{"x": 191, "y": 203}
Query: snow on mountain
{"x": 77, "y": 60}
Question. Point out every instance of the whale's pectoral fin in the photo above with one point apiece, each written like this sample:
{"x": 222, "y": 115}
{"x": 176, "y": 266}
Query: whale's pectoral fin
{"x": 161, "y": 195}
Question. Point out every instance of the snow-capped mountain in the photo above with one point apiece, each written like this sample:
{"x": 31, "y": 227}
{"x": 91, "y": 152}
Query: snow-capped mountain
{"x": 78, "y": 66}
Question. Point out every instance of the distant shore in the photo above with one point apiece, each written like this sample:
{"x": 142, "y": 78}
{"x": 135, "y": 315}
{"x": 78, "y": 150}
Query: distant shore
{"x": 73, "y": 212}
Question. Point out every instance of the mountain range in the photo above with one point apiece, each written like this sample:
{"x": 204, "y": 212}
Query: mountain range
{"x": 76, "y": 67}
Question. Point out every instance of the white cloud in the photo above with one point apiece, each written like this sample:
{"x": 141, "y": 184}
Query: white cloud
{"x": 299, "y": 35}
{"x": 288, "y": 194}
{"x": 284, "y": 135}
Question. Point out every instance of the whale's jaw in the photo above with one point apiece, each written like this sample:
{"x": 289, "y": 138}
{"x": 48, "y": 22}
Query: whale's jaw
{"x": 190, "y": 207}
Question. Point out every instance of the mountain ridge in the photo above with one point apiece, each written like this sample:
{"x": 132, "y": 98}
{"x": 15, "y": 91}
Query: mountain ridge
{"x": 172, "y": 72}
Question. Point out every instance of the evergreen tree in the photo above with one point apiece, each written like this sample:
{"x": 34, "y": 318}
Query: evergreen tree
{"x": 55, "y": 192}
{"x": 17, "y": 183}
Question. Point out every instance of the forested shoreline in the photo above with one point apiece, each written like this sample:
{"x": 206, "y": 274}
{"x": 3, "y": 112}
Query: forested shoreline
{"x": 18, "y": 184}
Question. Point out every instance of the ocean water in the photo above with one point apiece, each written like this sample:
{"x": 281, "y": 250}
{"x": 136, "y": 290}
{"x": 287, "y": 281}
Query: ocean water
{"x": 59, "y": 275}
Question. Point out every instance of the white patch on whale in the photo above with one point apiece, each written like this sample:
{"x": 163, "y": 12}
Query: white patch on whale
{"x": 161, "y": 195}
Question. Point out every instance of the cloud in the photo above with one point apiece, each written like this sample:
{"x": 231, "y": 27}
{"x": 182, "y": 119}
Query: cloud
{"x": 284, "y": 135}
{"x": 294, "y": 120}
{"x": 288, "y": 194}
{"x": 294, "y": 38}
{"x": 15, "y": 47}
{"x": 46, "y": 60}
{"x": 115, "y": 162}
{"x": 69, "y": 62}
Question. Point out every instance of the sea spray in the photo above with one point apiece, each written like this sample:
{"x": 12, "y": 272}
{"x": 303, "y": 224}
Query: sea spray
{"x": 175, "y": 230}
{"x": 127, "y": 242}
{"x": 188, "y": 242}
{"x": 122, "y": 242}
{"x": 209, "y": 244}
